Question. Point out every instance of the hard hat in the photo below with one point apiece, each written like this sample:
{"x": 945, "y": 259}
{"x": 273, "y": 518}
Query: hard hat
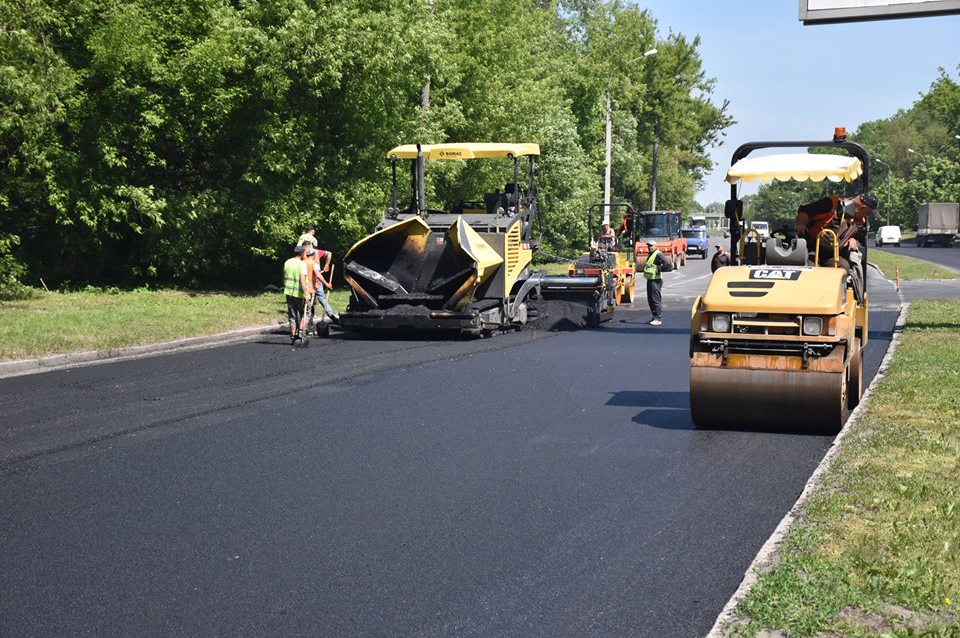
{"x": 651, "y": 242}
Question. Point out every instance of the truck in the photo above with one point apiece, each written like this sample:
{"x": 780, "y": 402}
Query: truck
{"x": 937, "y": 224}
{"x": 663, "y": 227}
{"x": 697, "y": 240}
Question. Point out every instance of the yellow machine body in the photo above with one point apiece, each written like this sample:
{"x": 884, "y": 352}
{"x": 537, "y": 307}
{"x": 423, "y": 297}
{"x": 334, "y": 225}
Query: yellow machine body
{"x": 776, "y": 346}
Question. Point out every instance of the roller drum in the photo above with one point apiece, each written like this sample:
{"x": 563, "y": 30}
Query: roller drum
{"x": 770, "y": 399}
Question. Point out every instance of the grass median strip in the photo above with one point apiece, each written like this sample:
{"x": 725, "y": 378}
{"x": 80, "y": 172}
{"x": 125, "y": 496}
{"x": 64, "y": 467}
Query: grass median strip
{"x": 61, "y": 322}
{"x": 876, "y": 551}
{"x": 910, "y": 268}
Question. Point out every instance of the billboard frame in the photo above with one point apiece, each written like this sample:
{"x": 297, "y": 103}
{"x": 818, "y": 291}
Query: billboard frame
{"x": 894, "y": 10}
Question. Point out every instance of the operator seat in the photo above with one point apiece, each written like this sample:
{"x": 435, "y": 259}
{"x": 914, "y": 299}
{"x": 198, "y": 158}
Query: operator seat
{"x": 793, "y": 253}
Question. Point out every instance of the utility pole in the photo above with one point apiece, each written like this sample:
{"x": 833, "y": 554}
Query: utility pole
{"x": 606, "y": 174}
{"x": 653, "y": 173}
{"x": 889, "y": 174}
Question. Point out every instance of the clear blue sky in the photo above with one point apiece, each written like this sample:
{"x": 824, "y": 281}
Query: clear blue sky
{"x": 785, "y": 80}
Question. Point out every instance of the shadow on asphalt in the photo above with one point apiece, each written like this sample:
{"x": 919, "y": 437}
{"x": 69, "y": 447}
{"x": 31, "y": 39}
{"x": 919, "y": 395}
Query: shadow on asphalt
{"x": 671, "y": 411}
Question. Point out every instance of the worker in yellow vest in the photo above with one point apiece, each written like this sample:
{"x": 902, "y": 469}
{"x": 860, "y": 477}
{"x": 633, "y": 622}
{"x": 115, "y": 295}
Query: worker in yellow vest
{"x": 296, "y": 289}
{"x": 655, "y": 265}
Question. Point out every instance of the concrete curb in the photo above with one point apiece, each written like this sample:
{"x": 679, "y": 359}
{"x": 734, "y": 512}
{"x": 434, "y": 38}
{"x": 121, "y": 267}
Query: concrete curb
{"x": 75, "y": 359}
{"x": 767, "y": 556}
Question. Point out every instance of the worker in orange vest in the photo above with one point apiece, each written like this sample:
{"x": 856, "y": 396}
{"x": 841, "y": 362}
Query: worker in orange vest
{"x": 318, "y": 282}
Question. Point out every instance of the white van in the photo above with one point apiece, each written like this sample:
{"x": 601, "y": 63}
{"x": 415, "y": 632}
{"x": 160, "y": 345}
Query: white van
{"x": 762, "y": 228}
{"x": 888, "y": 235}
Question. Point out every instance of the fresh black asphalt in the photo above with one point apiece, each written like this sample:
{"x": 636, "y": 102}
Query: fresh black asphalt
{"x": 533, "y": 484}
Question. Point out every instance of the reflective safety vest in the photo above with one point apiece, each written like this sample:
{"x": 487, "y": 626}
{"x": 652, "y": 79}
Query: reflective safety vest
{"x": 291, "y": 277}
{"x": 312, "y": 279}
{"x": 650, "y": 270}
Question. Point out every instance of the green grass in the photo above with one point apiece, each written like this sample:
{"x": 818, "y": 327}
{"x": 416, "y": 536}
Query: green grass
{"x": 909, "y": 267}
{"x": 61, "y": 322}
{"x": 876, "y": 551}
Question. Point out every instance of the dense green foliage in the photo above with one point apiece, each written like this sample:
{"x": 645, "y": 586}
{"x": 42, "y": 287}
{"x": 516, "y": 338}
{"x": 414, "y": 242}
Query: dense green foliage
{"x": 190, "y": 142}
{"x": 916, "y": 159}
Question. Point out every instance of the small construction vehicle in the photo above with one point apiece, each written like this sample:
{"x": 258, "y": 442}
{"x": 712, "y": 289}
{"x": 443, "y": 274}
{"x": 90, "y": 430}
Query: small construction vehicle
{"x": 463, "y": 264}
{"x": 663, "y": 227}
{"x": 777, "y": 342}
{"x": 612, "y": 259}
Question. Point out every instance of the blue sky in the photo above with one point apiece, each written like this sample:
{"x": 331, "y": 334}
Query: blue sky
{"x": 785, "y": 80}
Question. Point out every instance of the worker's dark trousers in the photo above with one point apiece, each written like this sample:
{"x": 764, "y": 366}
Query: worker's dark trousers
{"x": 294, "y": 312}
{"x": 654, "y": 297}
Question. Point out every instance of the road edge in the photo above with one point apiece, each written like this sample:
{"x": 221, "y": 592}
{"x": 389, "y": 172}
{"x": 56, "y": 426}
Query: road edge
{"x": 768, "y": 552}
{"x": 21, "y": 367}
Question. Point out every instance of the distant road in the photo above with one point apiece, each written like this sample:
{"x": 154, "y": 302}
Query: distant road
{"x": 946, "y": 257}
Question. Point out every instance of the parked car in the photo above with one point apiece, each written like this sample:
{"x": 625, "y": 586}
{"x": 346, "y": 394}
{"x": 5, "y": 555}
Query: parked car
{"x": 888, "y": 235}
{"x": 698, "y": 242}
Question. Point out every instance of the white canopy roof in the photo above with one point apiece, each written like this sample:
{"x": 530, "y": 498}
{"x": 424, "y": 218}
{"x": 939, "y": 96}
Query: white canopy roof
{"x": 796, "y": 166}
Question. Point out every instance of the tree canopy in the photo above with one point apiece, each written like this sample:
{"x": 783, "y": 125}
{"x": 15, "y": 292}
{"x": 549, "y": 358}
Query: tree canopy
{"x": 189, "y": 143}
{"x": 915, "y": 159}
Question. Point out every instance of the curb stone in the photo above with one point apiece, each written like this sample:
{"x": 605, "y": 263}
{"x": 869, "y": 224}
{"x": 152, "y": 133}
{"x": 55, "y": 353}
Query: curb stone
{"x": 92, "y": 357}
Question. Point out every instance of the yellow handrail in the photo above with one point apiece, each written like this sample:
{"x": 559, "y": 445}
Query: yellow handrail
{"x": 836, "y": 248}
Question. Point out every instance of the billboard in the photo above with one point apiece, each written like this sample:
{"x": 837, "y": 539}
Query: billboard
{"x": 826, "y": 11}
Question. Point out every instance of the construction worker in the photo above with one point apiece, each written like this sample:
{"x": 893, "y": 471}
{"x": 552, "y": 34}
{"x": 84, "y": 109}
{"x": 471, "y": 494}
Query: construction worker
{"x": 655, "y": 265}
{"x": 296, "y": 287}
{"x": 318, "y": 282}
{"x": 309, "y": 235}
{"x": 607, "y": 239}
{"x": 846, "y": 217}
{"x": 720, "y": 259}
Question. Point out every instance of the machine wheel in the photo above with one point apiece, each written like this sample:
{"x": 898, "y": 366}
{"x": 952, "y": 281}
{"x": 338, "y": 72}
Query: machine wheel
{"x": 631, "y": 289}
{"x": 323, "y": 329}
{"x": 855, "y": 382}
{"x": 593, "y": 316}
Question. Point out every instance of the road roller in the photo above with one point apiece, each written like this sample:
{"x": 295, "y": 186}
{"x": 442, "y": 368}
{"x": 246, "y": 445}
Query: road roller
{"x": 610, "y": 258}
{"x": 776, "y": 340}
{"x": 459, "y": 264}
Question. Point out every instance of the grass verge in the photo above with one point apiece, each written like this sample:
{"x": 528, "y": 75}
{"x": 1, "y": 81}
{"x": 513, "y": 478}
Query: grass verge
{"x": 876, "y": 550}
{"x": 910, "y": 268}
{"x": 61, "y": 322}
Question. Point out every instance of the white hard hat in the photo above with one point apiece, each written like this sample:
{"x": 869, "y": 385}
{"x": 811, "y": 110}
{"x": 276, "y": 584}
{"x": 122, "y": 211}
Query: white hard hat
{"x": 651, "y": 242}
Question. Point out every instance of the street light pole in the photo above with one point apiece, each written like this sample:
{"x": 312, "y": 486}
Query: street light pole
{"x": 606, "y": 174}
{"x": 923, "y": 158}
{"x": 889, "y": 173}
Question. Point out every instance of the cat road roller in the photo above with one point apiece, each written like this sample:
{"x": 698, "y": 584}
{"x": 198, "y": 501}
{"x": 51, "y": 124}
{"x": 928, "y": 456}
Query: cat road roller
{"x": 775, "y": 340}
{"x": 460, "y": 263}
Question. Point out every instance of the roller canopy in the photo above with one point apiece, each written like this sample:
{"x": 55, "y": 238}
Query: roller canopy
{"x": 796, "y": 166}
{"x": 466, "y": 150}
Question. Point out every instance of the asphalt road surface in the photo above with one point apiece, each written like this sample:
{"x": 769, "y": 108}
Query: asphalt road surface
{"x": 534, "y": 484}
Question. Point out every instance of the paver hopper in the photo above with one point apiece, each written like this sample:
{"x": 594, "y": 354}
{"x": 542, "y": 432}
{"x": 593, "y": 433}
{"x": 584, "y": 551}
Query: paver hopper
{"x": 463, "y": 265}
